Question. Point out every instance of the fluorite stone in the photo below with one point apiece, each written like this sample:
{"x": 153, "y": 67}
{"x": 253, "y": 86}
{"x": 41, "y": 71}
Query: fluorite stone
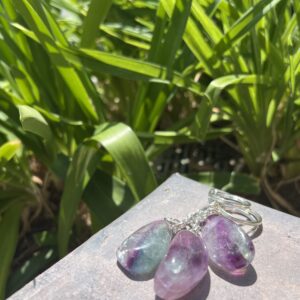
{"x": 140, "y": 254}
{"x": 182, "y": 268}
{"x": 228, "y": 246}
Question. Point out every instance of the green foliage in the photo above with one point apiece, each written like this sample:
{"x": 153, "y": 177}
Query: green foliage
{"x": 34, "y": 122}
{"x": 16, "y": 192}
{"x": 95, "y": 16}
{"x": 128, "y": 154}
{"x": 107, "y": 197}
{"x": 9, "y": 150}
{"x": 9, "y": 226}
{"x": 85, "y": 87}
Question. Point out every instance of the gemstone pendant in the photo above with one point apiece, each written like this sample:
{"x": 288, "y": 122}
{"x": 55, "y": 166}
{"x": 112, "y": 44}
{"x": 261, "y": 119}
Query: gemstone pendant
{"x": 183, "y": 267}
{"x": 140, "y": 254}
{"x": 228, "y": 246}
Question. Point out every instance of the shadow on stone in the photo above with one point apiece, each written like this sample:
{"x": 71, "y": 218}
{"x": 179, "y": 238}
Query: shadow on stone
{"x": 246, "y": 279}
{"x": 200, "y": 292}
{"x": 134, "y": 277}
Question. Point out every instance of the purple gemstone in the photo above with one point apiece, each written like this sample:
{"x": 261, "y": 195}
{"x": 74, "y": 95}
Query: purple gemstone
{"x": 182, "y": 268}
{"x": 140, "y": 254}
{"x": 228, "y": 246}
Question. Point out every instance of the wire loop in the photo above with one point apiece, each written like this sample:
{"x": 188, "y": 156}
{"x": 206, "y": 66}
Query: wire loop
{"x": 230, "y": 205}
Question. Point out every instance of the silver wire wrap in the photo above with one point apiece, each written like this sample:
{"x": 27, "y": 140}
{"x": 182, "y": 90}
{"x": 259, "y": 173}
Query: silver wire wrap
{"x": 230, "y": 205}
{"x": 224, "y": 198}
{"x": 221, "y": 203}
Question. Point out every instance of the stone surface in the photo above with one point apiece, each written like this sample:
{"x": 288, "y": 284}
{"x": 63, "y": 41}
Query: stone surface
{"x": 91, "y": 272}
{"x": 141, "y": 253}
{"x": 228, "y": 246}
{"x": 183, "y": 267}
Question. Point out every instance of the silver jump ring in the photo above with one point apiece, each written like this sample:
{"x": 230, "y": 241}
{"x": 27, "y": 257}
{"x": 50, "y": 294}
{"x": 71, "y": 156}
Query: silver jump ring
{"x": 224, "y": 198}
{"x": 252, "y": 217}
{"x": 228, "y": 205}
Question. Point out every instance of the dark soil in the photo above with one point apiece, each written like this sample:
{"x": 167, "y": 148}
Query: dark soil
{"x": 217, "y": 155}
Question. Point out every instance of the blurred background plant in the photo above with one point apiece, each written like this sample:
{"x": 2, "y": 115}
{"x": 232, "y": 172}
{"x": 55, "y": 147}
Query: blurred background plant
{"x": 102, "y": 100}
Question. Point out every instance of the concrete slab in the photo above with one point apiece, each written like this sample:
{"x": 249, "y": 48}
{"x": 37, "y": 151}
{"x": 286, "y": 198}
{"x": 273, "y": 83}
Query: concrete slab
{"x": 91, "y": 272}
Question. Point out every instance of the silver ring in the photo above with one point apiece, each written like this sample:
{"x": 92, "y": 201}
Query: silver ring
{"x": 252, "y": 217}
{"x": 224, "y": 198}
{"x": 228, "y": 204}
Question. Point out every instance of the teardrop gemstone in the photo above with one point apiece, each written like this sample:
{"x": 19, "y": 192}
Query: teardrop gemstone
{"x": 183, "y": 267}
{"x": 140, "y": 254}
{"x": 228, "y": 245}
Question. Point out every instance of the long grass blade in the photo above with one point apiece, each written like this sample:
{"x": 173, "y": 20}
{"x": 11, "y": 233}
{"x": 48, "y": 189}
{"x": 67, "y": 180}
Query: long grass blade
{"x": 129, "y": 68}
{"x": 211, "y": 96}
{"x": 9, "y": 150}
{"x": 242, "y": 26}
{"x": 81, "y": 170}
{"x": 34, "y": 122}
{"x": 107, "y": 198}
{"x": 152, "y": 98}
{"x": 126, "y": 150}
{"x": 9, "y": 231}
{"x": 128, "y": 154}
{"x": 30, "y": 13}
{"x": 96, "y": 14}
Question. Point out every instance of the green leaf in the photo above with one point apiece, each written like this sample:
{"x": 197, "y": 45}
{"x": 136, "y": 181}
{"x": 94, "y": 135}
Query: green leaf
{"x": 57, "y": 118}
{"x": 129, "y": 68}
{"x": 68, "y": 5}
{"x": 126, "y": 150}
{"x": 168, "y": 137}
{"x": 243, "y": 25}
{"x": 107, "y": 198}
{"x": 10, "y": 196}
{"x": 30, "y": 12}
{"x": 26, "y": 31}
{"x": 212, "y": 94}
{"x": 207, "y": 23}
{"x": 129, "y": 156}
{"x": 80, "y": 171}
{"x": 194, "y": 39}
{"x": 125, "y": 34}
{"x": 96, "y": 15}
{"x": 152, "y": 98}
{"x": 9, "y": 231}
{"x": 271, "y": 112}
{"x": 173, "y": 38}
{"x": 297, "y": 10}
{"x": 10, "y": 98}
{"x": 34, "y": 122}
{"x": 9, "y": 150}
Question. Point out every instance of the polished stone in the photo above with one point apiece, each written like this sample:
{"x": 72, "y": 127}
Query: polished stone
{"x": 140, "y": 254}
{"x": 183, "y": 267}
{"x": 228, "y": 246}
